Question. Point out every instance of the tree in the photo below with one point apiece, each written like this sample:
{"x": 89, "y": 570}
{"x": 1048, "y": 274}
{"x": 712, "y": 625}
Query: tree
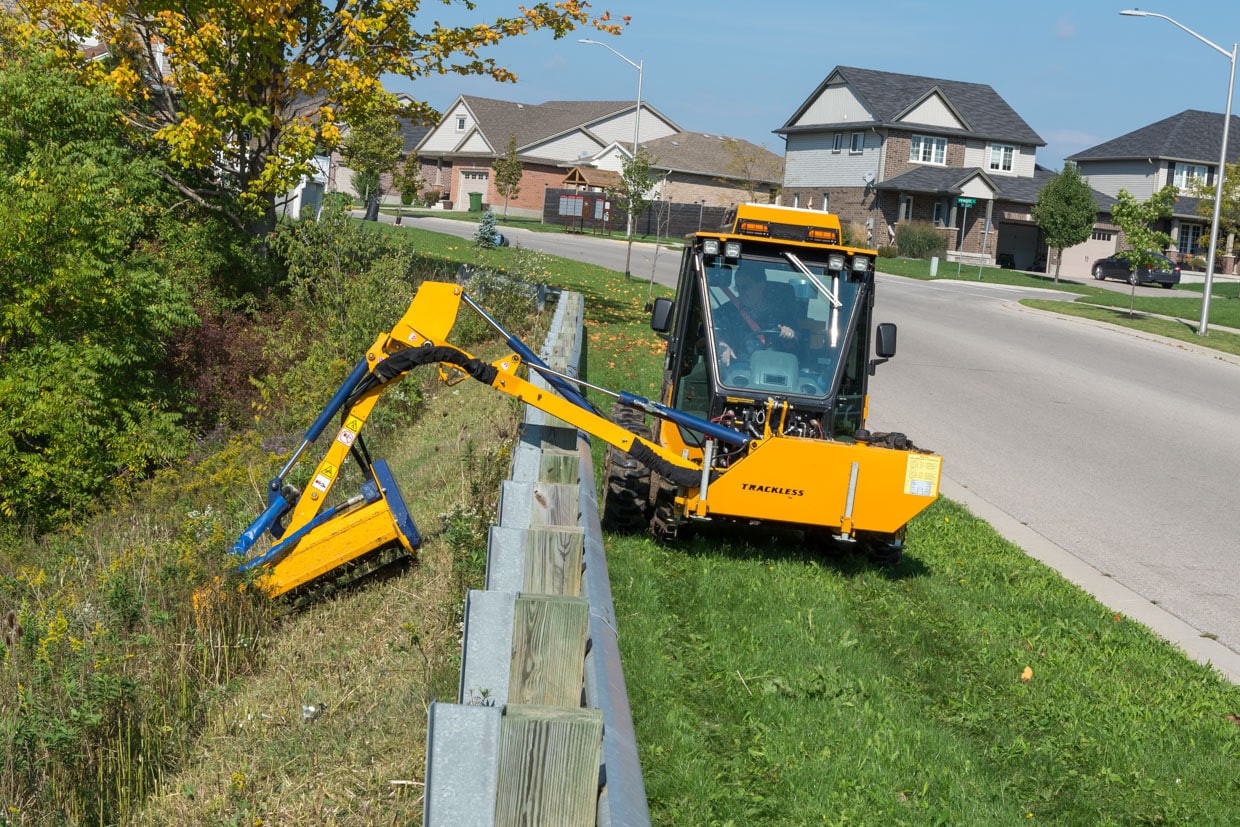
{"x": 754, "y": 167}
{"x": 1137, "y": 220}
{"x": 508, "y": 172}
{"x": 241, "y": 96}
{"x": 85, "y": 306}
{"x": 408, "y": 182}
{"x": 1065, "y": 211}
{"x": 484, "y": 236}
{"x": 372, "y": 149}
{"x": 635, "y": 186}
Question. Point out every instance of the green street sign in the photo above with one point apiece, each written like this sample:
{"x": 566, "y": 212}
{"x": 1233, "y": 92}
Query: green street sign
{"x": 966, "y": 202}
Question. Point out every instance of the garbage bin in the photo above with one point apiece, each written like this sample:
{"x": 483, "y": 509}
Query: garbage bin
{"x": 475, "y": 202}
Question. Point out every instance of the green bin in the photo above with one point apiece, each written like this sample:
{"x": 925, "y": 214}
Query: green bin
{"x": 475, "y": 202}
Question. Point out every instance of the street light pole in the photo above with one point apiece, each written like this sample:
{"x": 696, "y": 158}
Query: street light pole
{"x": 637, "y": 121}
{"x": 1204, "y": 327}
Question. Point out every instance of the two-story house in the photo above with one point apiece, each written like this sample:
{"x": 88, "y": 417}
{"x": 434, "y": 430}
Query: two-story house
{"x": 879, "y": 148}
{"x": 1175, "y": 150}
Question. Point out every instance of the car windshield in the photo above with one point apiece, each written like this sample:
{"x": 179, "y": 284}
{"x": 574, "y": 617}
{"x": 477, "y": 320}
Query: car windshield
{"x": 778, "y": 328}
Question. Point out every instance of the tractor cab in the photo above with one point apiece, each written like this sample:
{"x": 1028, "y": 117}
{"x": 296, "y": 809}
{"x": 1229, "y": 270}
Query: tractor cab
{"x": 772, "y": 308}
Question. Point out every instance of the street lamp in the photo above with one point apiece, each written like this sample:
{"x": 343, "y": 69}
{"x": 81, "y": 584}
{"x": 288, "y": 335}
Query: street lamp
{"x": 1204, "y": 327}
{"x": 637, "y": 121}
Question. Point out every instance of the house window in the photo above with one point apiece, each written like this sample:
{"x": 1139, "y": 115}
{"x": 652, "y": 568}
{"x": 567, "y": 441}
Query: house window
{"x": 924, "y": 149}
{"x": 1101, "y": 235}
{"x": 940, "y": 213}
{"x": 460, "y": 123}
{"x": 826, "y": 202}
{"x": 906, "y": 208}
{"x": 1001, "y": 157}
{"x": 796, "y": 199}
{"x": 838, "y": 143}
{"x": 1186, "y": 173}
{"x": 858, "y": 142}
{"x": 1190, "y": 238}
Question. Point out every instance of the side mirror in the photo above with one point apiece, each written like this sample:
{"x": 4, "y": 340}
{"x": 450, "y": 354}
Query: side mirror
{"x": 884, "y": 345}
{"x": 885, "y": 342}
{"x": 661, "y": 316}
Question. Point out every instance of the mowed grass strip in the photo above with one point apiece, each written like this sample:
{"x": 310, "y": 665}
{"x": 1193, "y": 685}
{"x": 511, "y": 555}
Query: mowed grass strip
{"x": 969, "y": 684}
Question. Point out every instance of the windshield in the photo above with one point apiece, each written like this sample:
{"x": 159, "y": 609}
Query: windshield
{"x": 776, "y": 328}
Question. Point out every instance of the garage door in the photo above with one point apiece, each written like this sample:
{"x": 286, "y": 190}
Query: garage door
{"x": 1077, "y": 260}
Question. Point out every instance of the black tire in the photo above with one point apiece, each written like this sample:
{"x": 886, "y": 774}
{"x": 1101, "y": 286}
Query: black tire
{"x": 1168, "y": 286}
{"x": 1098, "y": 274}
{"x": 626, "y": 482}
{"x": 666, "y": 524}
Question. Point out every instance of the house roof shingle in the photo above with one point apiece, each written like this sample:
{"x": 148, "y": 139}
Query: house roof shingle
{"x": 1192, "y": 135}
{"x": 706, "y": 154}
{"x": 889, "y": 95}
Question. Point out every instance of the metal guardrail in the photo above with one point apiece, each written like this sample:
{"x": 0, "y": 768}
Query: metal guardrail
{"x": 545, "y": 565}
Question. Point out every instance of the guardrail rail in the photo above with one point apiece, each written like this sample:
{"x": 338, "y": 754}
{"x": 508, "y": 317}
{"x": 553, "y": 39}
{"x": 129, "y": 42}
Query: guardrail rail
{"x": 541, "y": 732}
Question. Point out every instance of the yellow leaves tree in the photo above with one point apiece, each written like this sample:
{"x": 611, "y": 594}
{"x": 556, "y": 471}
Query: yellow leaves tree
{"x": 242, "y": 95}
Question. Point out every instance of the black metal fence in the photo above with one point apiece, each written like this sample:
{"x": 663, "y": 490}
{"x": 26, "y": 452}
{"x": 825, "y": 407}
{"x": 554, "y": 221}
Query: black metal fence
{"x": 597, "y": 214}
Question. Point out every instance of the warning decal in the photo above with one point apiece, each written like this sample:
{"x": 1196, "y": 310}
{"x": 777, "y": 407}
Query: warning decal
{"x": 921, "y": 477}
{"x": 323, "y": 479}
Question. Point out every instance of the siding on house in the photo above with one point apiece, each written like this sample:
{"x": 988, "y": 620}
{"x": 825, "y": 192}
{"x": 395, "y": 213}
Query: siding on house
{"x": 811, "y": 161}
{"x": 837, "y": 104}
{"x": 933, "y": 112}
{"x": 1140, "y": 177}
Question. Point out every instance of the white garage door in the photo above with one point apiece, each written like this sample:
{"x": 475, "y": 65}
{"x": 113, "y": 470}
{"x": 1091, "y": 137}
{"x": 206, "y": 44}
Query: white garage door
{"x": 1078, "y": 260}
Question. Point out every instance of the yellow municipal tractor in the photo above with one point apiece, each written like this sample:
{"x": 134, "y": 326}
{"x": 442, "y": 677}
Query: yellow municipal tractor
{"x": 761, "y": 419}
{"x": 769, "y": 340}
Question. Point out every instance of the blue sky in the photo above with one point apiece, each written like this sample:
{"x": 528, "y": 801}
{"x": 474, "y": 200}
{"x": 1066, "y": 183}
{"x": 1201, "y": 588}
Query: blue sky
{"x": 1078, "y": 72}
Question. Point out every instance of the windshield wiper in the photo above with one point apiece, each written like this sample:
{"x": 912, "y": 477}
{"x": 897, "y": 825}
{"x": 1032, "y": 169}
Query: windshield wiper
{"x": 805, "y": 271}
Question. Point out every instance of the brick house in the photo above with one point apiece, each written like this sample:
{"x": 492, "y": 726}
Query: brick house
{"x": 880, "y": 148}
{"x": 1174, "y": 151}
{"x": 555, "y": 137}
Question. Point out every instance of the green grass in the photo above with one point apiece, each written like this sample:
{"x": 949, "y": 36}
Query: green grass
{"x": 770, "y": 686}
{"x": 533, "y": 224}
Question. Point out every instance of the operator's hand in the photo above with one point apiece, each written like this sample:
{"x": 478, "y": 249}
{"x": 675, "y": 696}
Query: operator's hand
{"x": 726, "y": 353}
{"x": 786, "y": 332}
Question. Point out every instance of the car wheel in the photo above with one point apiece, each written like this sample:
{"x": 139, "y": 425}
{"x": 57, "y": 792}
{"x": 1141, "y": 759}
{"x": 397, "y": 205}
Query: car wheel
{"x": 1098, "y": 274}
{"x": 1168, "y": 285}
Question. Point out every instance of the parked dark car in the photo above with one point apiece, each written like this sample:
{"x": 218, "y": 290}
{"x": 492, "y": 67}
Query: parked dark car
{"x": 1165, "y": 271}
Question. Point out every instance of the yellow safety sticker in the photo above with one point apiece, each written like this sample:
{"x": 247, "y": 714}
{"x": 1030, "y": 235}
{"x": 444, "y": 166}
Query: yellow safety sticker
{"x": 323, "y": 480}
{"x": 921, "y": 476}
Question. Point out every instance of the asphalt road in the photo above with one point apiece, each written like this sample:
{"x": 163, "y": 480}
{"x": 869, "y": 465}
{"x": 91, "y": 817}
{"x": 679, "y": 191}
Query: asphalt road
{"x": 1110, "y": 455}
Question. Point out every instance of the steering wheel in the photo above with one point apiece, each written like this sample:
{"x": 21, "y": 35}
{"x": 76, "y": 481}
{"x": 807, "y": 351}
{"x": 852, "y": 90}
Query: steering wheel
{"x": 770, "y": 338}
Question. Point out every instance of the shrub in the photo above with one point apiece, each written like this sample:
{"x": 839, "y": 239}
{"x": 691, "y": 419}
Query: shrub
{"x": 888, "y": 251}
{"x": 485, "y": 236}
{"x": 854, "y": 234}
{"x": 917, "y": 239}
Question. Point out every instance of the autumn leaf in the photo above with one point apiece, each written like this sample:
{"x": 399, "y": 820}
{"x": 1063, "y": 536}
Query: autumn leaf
{"x": 1027, "y": 675}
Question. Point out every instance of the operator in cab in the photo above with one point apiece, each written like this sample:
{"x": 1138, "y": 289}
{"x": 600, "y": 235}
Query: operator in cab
{"x": 751, "y": 319}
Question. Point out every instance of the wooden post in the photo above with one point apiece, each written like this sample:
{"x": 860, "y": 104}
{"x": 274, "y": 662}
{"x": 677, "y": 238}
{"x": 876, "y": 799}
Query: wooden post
{"x": 548, "y": 767}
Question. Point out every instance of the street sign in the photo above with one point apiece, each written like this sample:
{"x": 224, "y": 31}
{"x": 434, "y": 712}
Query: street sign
{"x": 966, "y": 202}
